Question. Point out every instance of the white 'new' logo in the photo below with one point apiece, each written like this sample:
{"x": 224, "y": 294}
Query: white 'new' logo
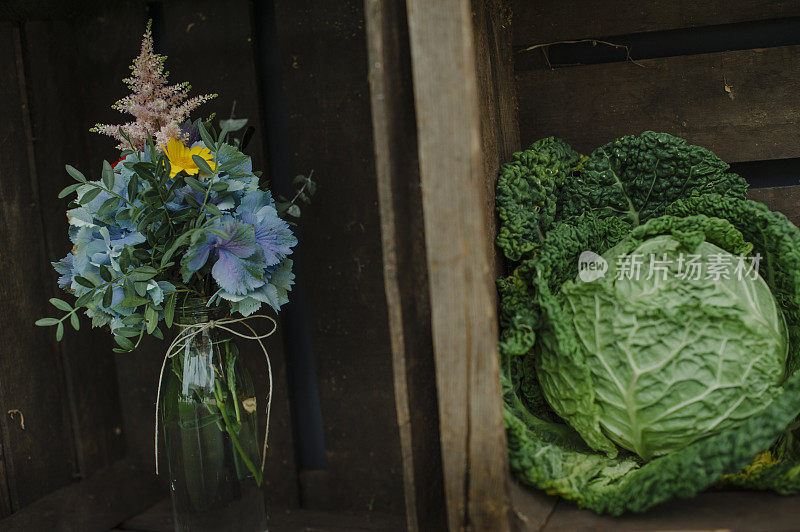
{"x": 591, "y": 266}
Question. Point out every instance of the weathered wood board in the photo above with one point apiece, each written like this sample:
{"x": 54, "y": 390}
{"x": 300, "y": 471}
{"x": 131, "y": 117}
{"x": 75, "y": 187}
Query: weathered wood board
{"x": 454, "y": 176}
{"x": 743, "y": 105}
{"x": 39, "y": 456}
{"x": 537, "y": 22}
{"x": 323, "y": 54}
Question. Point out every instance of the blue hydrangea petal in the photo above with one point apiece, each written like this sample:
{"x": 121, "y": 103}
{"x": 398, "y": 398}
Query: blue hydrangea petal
{"x": 235, "y": 274}
{"x": 197, "y": 254}
{"x": 65, "y": 268}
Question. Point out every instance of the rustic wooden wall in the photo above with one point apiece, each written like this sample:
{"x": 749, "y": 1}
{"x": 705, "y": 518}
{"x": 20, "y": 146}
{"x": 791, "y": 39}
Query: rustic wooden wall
{"x": 84, "y": 406}
{"x": 735, "y": 93}
{"x": 324, "y": 69}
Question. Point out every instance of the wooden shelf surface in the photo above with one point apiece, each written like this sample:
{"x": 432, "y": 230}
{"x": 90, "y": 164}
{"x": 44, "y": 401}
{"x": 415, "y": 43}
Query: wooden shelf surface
{"x": 158, "y": 518}
{"x": 734, "y": 511}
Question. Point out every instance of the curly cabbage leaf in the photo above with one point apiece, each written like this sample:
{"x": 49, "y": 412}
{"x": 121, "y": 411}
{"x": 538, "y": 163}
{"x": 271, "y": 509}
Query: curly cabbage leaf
{"x": 674, "y": 354}
{"x": 558, "y": 439}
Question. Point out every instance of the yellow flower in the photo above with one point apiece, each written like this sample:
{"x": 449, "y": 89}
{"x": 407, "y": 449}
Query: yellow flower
{"x": 180, "y": 157}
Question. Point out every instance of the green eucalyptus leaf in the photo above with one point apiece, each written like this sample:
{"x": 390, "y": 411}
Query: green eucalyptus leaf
{"x": 169, "y": 310}
{"x": 127, "y": 288}
{"x": 74, "y": 321}
{"x": 66, "y": 191}
{"x": 141, "y": 287}
{"x": 109, "y": 205}
{"x": 123, "y": 342}
{"x": 108, "y": 297}
{"x": 83, "y": 281}
{"x": 84, "y": 299}
{"x": 143, "y": 273}
{"x": 202, "y": 165}
{"x": 208, "y": 140}
{"x": 60, "y": 331}
{"x": 151, "y": 319}
{"x": 213, "y": 209}
{"x": 219, "y": 186}
{"x": 133, "y": 187}
{"x": 89, "y": 195}
{"x": 133, "y": 319}
{"x": 133, "y": 302}
{"x": 106, "y": 273}
{"x": 60, "y": 304}
{"x": 47, "y": 322}
{"x": 108, "y": 175}
{"x": 75, "y": 173}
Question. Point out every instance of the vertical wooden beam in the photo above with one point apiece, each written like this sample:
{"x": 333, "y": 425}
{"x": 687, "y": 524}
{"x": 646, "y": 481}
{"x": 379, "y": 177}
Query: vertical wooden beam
{"x": 404, "y": 262}
{"x": 39, "y": 457}
{"x": 324, "y": 58}
{"x": 460, "y": 262}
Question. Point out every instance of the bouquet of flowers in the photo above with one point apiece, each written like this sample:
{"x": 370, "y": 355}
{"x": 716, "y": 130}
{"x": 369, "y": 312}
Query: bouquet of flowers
{"x": 180, "y": 222}
{"x": 179, "y": 214}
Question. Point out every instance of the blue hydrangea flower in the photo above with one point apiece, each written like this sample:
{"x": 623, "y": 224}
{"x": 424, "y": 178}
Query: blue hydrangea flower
{"x": 275, "y": 293}
{"x": 272, "y": 233}
{"x": 238, "y": 262}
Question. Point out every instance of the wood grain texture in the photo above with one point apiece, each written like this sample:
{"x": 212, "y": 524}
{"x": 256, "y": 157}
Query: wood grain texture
{"x": 496, "y": 92}
{"x": 531, "y": 508}
{"x": 742, "y": 105}
{"x": 404, "y": 262}
{"x": 38, "y": 458}
{"x": 460, "y": 263}
{"x": 105, "y": 499}
{"x": 781, "y": 199}
{"x": 324, "y": 74}
{"x": 734, "y": 511}
{"x": 75, "y": 70}
{"x": 537, "y": 22}
{"x": 158, "y": 518}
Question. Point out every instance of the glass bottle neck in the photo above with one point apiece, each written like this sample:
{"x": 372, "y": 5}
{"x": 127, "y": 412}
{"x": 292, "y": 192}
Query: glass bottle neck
{"x": 193, "y": 310}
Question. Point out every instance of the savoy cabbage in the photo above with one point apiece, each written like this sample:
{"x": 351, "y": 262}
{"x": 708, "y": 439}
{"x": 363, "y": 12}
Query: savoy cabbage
{"x": 621, "y": 392}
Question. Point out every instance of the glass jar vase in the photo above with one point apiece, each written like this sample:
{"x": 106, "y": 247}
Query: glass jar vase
{"x": 211, "y": 431}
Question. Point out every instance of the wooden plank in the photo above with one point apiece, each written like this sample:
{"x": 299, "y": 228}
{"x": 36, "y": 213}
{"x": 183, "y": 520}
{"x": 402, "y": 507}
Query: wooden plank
{"x": 404, "y": 263}
{"x": 158, "y": 518}
{"x": 38, "y": 458}
{"x": 537, "y": 22}
{"x": 739, "y": 511}
{"x": 782, "y": 199}
{"x": 531, "y": 508}
{"x": 76, "y": 67}
{"x": 742, "y": 105}
{"x": 105, "y": 499}
{"x": 323, "y": 55}
{"x": 459, "y": 255}
{"x": 210, "y": 44}
{"x": 496, "y": 92}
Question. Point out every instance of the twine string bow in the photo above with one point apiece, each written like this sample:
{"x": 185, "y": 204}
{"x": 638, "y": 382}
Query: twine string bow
{"x": 184, "y": 339}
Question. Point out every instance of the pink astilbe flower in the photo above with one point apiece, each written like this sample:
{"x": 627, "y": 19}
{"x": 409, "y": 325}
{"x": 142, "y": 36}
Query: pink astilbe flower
{"x": 159, "y": 108}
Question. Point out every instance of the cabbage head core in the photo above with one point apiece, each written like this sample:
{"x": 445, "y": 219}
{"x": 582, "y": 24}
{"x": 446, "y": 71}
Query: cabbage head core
{"x": 671, "y": 360}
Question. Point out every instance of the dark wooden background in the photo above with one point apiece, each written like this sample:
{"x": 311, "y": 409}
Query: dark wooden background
{"x": 305, "y": 89}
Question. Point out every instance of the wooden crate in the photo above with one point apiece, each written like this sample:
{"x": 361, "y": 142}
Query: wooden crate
{"x": 476, "y": 92}
{"x": 405, "y": 109}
